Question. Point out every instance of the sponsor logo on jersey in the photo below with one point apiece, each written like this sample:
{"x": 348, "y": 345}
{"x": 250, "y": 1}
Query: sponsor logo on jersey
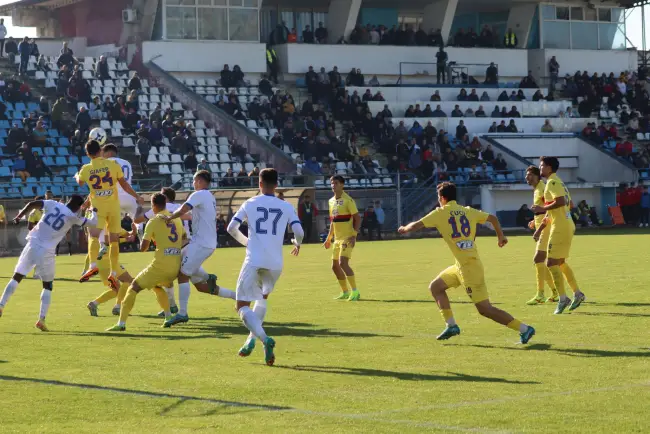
{"x": 104, "y": 193}
{"x": 465, "y": 245}
{"x": 172, "y": 251}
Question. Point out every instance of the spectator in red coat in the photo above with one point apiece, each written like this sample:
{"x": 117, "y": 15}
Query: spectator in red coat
{"x": 623, "y": 149}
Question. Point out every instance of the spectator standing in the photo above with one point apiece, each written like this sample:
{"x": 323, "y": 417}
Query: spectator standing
{"x": 321, "y": 34}
{"x": 3, "y": 35}
{"x": 101, "y": 69}
{"x": 144, "y": 147}
{"x": 308, "y": 35}
{"x": 25, "y": 50}
{"x": 369, "y": 222}
{"x": 272, "y": 63}
{"x": 492, "y": 74}
{"x": 510, "y": 39}
{"x": 441, "y": 64}
{"x": 83, "y": 120}
{"x": 645, "y": 207}
{"x": 554, "y": 71}
{"x": 190, "y": 162}
{"x": 381, "y": 217}
{"x": 307, "y": 213}
{"x": 11, "y": 48}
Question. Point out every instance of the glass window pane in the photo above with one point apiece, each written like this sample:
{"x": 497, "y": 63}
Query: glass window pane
{"x": 562, "y": 13}
{"x": 235, "y": 2}
{"x": 244, "y": 24}
{"x": 582, "y": 36}
{"x": 181, "y": 2}
{"x": 611, "y": 36}
{"x": 181, "y": 23}
{"x": 576, "y": 14}
{"x": 556, "y": 35}
{"x": 220, "y": 2}
{"x": 213, "y": 23}
{"x": 591, "y": 14}
{"x": 251, "y": 3}
{"x": 618, "y": 15}
{"x": 205, "y": 3}
{"x": 548, "y": 12}
{"x": 604, "y": 15}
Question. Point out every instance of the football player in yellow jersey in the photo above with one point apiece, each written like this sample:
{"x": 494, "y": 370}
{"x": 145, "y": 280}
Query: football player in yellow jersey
{"x": 457, "y": 225}
{"x": 558, "y": 210}
{"x": 344, "y": 227}
{"x": 35, "y": 216}
{"x": 102, "y": 177}
{"x": 3, "y": 222}
{"x": 534, "y": 179}
{"x": 168, "y": 236}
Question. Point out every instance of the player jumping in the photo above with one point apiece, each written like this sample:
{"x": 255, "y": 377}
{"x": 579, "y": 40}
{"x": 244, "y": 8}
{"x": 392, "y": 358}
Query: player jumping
{"x": 457, "y": 224}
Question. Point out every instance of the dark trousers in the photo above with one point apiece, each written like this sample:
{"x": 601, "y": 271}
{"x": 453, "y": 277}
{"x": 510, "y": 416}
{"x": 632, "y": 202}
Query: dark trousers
{"x": 307, "y": 226}
{"x": 24, "y": 60}
{"x": 371, "y": 228}
{"x": 143, "y": 162}
{"x": 441, "y": 72}
{"x": 2, "y": 47}
{"x": 645, "y": 216}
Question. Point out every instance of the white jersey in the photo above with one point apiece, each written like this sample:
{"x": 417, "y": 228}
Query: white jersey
{"x": 268, "y": 218}
{"x": 128, "y": 173}
{"x": 56, "y": 222}
{"x": 204, "y": 218}
{"x": 171, "y": 207}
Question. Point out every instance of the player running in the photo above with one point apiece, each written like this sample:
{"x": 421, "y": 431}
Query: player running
{"x": 457, "y": 224}
{"x": 168, "y": 237}
{"x": 344, "y": 227}
{"x": 39, "y": 252}
{"x": 103, "y": 177}
{"x": 558, "y": 210}
{"x": 268, "y": 218}
{"x": 534, "y": 179}
{"x": 202, "y": 244}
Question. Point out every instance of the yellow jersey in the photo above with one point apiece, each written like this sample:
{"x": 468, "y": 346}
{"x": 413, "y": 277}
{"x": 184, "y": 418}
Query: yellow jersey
{"x": 169, "y": 241}
{"x": 35, "y": 216}
{"x": 341, "y": 212}
{"x": 102, "y": 175}
{"x": 538, "y": 199}
{"x": 457, "y": 226}
{"x": 560, "y": 217}
{"x": 3, "y": 216}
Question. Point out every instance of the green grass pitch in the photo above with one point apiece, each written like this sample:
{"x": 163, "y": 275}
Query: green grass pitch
{"x": 372, "y": 366}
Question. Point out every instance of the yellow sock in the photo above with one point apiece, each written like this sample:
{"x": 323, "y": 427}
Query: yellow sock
{"x": 114, "y": 252}
{"x": 87, "y": 262}
{"x": 549, "y": 280}
{"x": 540, "y": 274}
{"x": 353, "y": 282}
{"x": 93, "y": 250}
{"x": 105, "y": 296}
{"x": 558, "y": 279}
{"x": 127, "y": 305}
{"x": 570, "y": 277}
{"x": 162, "y": 298}
{"x": 344, "y": 285}
{"x": 514, "y": 324}
{"x": 122, "y": 292}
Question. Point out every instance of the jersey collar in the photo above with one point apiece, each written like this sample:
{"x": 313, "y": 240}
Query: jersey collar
{"x": 552, "y": 176}
{"x": 451, "y": 202}
{"x": 269, "y": 194}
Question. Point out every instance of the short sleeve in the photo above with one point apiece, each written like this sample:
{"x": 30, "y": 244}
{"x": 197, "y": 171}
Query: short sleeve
{"x": 555, "y": 189}
{"x": 149, "y": 230}
{"x": 431, "y": 220}
{"x": 352, "y": 207}
{"x": 477, "y": 216}
{"x": 194, "y": 200}
{"x": 241, "y": 214}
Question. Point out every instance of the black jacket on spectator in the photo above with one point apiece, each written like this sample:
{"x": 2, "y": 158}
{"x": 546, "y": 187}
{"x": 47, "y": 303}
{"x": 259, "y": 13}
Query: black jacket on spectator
{"x": 83, "y": 121}
{"x": 102, "y": 70}
{"x": 134, "y": 83}
{"x": 65, "y": 59}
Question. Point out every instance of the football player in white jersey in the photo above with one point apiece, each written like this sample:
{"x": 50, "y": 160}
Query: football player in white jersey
{"x": 268, "y": 218}
{"x": 128, "y": 203}
{"x": 202, "y": 244}
{"x": 39, "y": 252}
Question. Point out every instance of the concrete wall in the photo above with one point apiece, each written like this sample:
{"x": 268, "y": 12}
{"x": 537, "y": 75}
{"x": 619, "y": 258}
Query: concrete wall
{"x": 536, "y": 109}
{"x": 52, "y": 47}
{"x": 385, "y": 60}
{"x": 482, "y": 125}
{"x": 205, "y": 56}
{"x": 411, "y": 93}
{"x": 582, "y": 60}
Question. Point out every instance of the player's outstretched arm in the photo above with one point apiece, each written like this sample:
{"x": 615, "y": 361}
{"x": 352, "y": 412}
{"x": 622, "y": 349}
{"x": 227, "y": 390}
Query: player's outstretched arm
{"x": 127, "y": 187}
{"x": 35, "y": 204}
{"x": 180, "y": 212}
{"x": 411, "y": 227}
{"x": 494, "y": 221}
{"x": 233, "y": 230}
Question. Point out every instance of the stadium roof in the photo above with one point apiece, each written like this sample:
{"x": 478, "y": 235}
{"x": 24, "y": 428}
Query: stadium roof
{"x": 7, "y": 5}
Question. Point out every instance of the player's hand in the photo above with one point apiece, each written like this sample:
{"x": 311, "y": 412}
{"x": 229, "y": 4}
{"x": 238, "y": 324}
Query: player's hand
{"x": 140, "y": 200}
{"x": 327, "y": 244}
{"x": 166, "y": 218}
{"x": 16, "y": 220}
{"x": 402, "y": 230}
{"x": 295, "y": 251}
{"x": 351, "y": 241}
{"x": 537, "y": 209}
{"x": 503, "y": 241}
{"x": 531, "y": 225}
{"x": 536, "y": 236}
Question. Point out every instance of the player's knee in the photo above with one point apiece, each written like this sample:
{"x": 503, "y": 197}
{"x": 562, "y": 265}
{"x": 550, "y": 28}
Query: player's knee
{"x": 484, "y": 308}
{"x": 335, "y": 266}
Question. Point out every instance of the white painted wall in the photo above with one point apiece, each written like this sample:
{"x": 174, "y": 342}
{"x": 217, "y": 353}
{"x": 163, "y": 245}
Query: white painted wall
{"x": 206, "y": 56}
{"x": 582, "y": 60}
{"x": 52, "y": 47}
{"x": 537, "y": 109}
{"x": 482, "y": 125}
{"x": 520, "y": 20}
{"x": 424, "y": 93}
{"x": 385, "y": 60}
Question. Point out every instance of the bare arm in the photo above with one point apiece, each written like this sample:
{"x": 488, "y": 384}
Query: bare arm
{"x": 144, "y": 245}
{"x": 178, "y": 213}
{"x": 494, "y": 221}
{"x": 35, "y": 204}
{"x": 127, "y": 187}
{"x": 411, "y": 227}
{"x": 559, "y": 201}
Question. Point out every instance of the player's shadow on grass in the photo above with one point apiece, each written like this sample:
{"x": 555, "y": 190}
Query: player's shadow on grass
{"x": 619, "y": 304}
{"x": 573, "y": 352}
{"x": 181, "y": 398}
{"x": 408, "y": 376}
{"x": 429, "y": 301}
{"x": 122, "y": 335}
{"x": 615, "y": 314}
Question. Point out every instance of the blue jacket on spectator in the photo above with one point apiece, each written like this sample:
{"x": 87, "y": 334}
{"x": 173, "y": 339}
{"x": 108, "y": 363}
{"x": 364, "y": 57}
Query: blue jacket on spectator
{"x": 25, "y": 49}
{"x": 645, "y": 200}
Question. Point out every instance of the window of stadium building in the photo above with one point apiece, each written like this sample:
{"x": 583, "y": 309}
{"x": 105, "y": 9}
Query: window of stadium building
{"x": 586, "y": 28}
{"x": 217, "y": 20}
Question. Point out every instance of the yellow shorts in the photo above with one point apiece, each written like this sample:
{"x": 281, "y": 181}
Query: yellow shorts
{"x": 542, "y": 243}
{"x": 341, "y": 249}
{"x": 470, "y": 277}
{"x": 559, "y": 244}
{"x": 151, "y": 277}
{"x": 109, "y": 217}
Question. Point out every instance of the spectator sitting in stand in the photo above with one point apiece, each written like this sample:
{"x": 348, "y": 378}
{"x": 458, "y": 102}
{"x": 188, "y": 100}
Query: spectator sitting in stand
{"x": 203, "y": 165}
{"x": 502, "y": 127}
{"x": 436, "y": 96}
{"x": 461, "y": 130}
{"x": 500, "y": 164}
{"x": 457, "y": 112}
{"x": 547, "y": 127}
{"x": 190, "y": 162}
{"x": 512, "y": 128}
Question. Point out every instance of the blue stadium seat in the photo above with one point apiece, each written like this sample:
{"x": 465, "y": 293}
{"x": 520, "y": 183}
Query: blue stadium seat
{"x": 38, "y": 150}
{"x": 16, "y": 115}
{"x": 56, "y": 190}
{"x": 500, "y": 177}
{"x": 49, "y": 161}
{"x": 62, "y": 152}
{"x": 27, "y": 192}
{"x": 644, "y": 175}
{"x": 61, "y": 161}
{"x": 63, "y": 141}
{"x": 58, "y": 179}
{"x": 1, "y": 153}
{"x": 10, "y": 106}
{"x": 511, "y": 177}
{"x": 74, "y": 160}
{"x": 13, "y": 192}
{"x": 32, "y": 107}
{"x": 72, "y": 170}
{"x": 20, "y": 106}
{"x": 32, "y": 180}
{"x": 53, "y": 133}
{"x": 5, "y": 172}
{"x": 3, "y": 134}
{"x": 3, "y": 192}
{"x": 50, "y": 151}
{"x": 85, "y": 160}
{"x": 45, "y": 179}
{"x": 5, "y": 124}
{"x": 7, "y": 162}
{"x": 18, "y": 122}
{"x": 16, "y": 181}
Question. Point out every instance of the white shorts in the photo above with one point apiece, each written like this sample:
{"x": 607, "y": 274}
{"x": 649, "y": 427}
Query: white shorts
{"x": 193, "y": 257}
{"x": 128, "y": 205}
{"x": 35, "y": 256}
{"x": 254, "y": 282}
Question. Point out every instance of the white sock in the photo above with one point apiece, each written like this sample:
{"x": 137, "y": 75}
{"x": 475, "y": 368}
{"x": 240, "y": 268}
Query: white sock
{"x": 170, "y": 296}
{"x": 522, "y": 328}
{"x": 121, "y": 324}
{"x": 92, "y": 265}
{"x": 183, "y": 297}
{"x": 46, "y": 297}
{"x": 260, "y": 311}
{"x": 227, "y": 293}
{"x": 252, "y": 322}
{"x": 451, "y": 322}
{"x": 200, "y": 276}
{"x": 9, "y": 291}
